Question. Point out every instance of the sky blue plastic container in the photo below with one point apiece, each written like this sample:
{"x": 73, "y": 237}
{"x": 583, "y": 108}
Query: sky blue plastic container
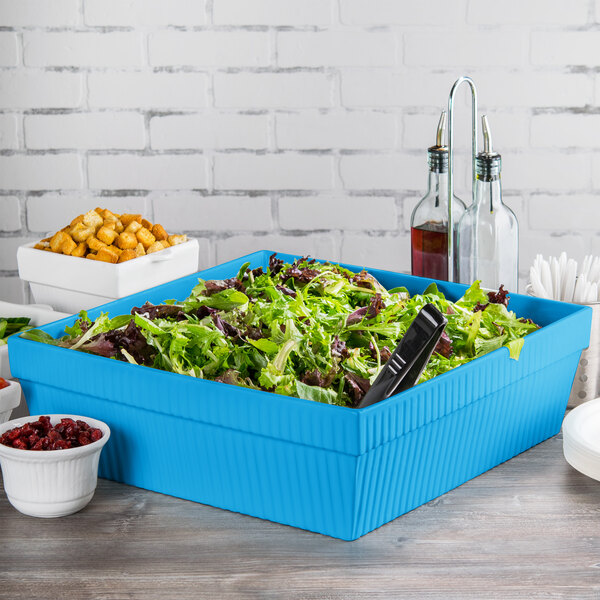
{"x": 333, "y": 470}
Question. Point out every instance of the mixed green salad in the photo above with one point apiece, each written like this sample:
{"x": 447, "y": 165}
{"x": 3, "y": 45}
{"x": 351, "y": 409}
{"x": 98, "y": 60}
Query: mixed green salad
{"x": 12, "y": 325}
{"x": 312, "y": 330}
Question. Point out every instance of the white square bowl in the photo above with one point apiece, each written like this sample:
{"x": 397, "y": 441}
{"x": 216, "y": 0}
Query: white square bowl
{"x": 39, "y": 315}
{"x": 71, "y": 284}
{"x": 10, "y": 397}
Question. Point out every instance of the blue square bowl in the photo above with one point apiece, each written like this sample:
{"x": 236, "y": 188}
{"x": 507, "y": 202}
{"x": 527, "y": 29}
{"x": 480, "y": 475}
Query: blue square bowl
{"x": 337, "y": 471}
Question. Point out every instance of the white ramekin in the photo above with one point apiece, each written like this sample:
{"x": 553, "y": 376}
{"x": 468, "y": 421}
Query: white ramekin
{"x": 51, "y": 483}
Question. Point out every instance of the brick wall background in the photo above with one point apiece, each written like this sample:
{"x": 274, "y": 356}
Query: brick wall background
{"x": 294, "y": 125}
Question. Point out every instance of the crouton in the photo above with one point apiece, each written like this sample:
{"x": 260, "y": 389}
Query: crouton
{"x": 133, "y": 227}
{"x": 103, "y": 235}
{"x": 95, "y": 244}
{"x": 106, "y": 254}
{"x": 76, "y": 220}
{"x": 80, "y": 232}
{"x": 145, "y": 237}
{"x": 93, "y": 219}
{"x": 80, "y": 250}
{"x": 106, "y": 235}
{"x": 127, "y": 255}
{"x": 126, "y": 219}
{"x": 127, "y": 240}
{"x": 158, "y": 231}
{"x": 177, "y": 239}
{"x": 57, "y": 241}
{"x": 68, "y": 245}
{"x": 156, "y": 247}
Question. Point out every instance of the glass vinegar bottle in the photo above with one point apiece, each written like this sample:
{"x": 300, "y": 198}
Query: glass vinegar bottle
{"x": 488, "y": 232}
{"x": 429, "y": 219}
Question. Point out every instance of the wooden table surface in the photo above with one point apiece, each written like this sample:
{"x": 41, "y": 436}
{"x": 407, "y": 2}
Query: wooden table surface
{"x": 530, "y": 528}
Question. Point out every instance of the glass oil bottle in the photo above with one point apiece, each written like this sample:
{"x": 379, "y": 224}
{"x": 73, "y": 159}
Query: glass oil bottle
{"x": 488, "y": 232}
{"x": 429, "y": 220}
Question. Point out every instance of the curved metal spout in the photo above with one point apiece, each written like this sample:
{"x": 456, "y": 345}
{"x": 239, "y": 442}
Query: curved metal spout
{"x": 456, "y": 85}
{"x": 439, "y": 138}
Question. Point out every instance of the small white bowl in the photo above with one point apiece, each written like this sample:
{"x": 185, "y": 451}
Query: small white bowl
{"x": 581, "y": 438}
{"x": 51, "y": 483}
{"x": 10, "y": 397}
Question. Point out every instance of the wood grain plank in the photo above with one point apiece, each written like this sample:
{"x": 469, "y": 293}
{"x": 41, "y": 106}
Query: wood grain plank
{"x": 530, "y": 528}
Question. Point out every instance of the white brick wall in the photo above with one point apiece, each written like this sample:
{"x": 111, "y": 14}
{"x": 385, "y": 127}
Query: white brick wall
{"x": 146, "y": 90}
{"x": 209, "y": 131}
{"x": 9, "y": 132}
{"x": 357, "y": 130}
{"x": 273, "y": 90}
{"x": 10, "y": 214}
{"x": 33, "y": 88}
{"x": 39, "y": 13}
{"x": 565, "y": 48}
{"x": 209, "y": 49}
{"x": 343, "y": 213}
{"x": 273, "y": 172}
{"x": 379, "y": 12}
{"x": 41, "y": 172}
{"x": 532, "y": 12}
{"x": 336, "y": 49}
{"x": 144, "y": 13}
{"x": 291, "y": 125}
{"x": 64, "y": 49}
{"x": 9, "y": 49}
{"x": 272, "y": 12}
{"x": 133, "y": 172}
{"x": 221, "y": 214}
{"x": 88, "y": 131}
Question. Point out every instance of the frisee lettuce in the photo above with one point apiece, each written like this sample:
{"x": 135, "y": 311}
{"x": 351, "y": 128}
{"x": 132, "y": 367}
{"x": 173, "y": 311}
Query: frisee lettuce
{"x": 312, "y": 330}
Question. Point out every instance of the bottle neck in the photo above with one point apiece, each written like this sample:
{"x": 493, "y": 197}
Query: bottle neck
{"x": 488, "y": 194}
{"x": 437, "y": 186}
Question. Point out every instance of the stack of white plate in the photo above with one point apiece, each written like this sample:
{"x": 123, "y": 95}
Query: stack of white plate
{"x": 581, "y": 438}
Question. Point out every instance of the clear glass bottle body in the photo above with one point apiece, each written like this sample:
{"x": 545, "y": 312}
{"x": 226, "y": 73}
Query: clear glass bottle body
{"x": 429, "y": 229}
{"x": 488, "y": 239}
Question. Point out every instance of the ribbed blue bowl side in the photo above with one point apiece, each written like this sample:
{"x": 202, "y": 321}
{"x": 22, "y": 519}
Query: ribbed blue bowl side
{"x": 400, "y": 475}
{"x": 280, "y": 481}
{"x": 323, "y": 468}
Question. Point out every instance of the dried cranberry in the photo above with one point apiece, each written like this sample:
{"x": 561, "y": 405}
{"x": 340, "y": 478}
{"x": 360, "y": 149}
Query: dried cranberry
{"x": 95, "y": 434}
{"x": 13, "y": 434}
{"x": 84, "y": 439}
{"x": 19, "y": 443}
{"x": 41, "y": 435}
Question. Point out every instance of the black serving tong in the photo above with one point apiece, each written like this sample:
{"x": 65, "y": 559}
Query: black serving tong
{"x": 405, "y": 365}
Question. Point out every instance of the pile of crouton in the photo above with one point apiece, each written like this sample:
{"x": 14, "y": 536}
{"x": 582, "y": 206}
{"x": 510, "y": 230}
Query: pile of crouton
{"x": 105, "y": 236}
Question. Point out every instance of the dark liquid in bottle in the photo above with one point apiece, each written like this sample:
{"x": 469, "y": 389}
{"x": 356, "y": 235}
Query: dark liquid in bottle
{"x": 429, "y": 251}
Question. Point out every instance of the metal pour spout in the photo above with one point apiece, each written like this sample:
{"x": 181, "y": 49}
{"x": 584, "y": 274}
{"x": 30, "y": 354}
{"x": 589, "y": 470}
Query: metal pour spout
{"x": 441, "y": 128}
{"x": 488, "y": 163}
{"x": 487, "y": 135}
